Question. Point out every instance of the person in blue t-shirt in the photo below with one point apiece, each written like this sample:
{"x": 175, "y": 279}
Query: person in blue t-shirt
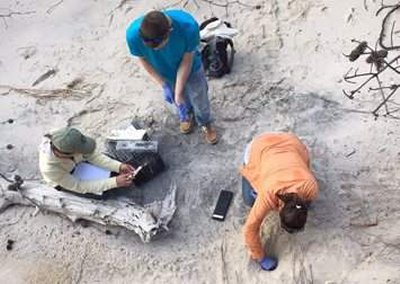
{"x": 166, "y": 44}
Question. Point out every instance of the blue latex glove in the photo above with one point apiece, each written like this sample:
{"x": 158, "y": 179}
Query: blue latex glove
{"x": 268, "y": 263}
{"x": 183, "y": 112}
{"x": 168, "y": 93}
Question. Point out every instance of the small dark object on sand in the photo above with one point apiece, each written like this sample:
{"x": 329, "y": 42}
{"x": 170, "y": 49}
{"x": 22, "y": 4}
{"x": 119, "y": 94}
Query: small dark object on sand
{"x": 84, "y": 223}
{"x": 16, "y": 185}
{"x": 356, "y": 53}
{"x": 10, "y": 120}
{"x": 74, "y": 83}
{"x": 18, "y": 179}
{"x": 377, "y": 58}
{"x": 9, "y": 146}
{"x": 45, "y": 76}
{"x": 9, "y": 244}
{"x": 12, "y": 187}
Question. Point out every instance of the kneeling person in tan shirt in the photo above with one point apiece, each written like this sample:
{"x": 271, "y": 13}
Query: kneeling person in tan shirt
{"x": 64, "y": 149}
{"x": 276, "y": 177}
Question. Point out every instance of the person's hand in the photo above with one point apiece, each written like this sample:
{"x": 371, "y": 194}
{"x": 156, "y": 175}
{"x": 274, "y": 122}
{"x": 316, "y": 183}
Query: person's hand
{"x": 268, "y": 263}
{"x": 183, "y": 112}
{"x": 126, "y": 169}
{"x": 168, "y": 93}
{"x": 124, "y": 180}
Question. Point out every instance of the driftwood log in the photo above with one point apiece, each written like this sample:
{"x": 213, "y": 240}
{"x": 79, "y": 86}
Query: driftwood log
{"x": 146, "y": 221}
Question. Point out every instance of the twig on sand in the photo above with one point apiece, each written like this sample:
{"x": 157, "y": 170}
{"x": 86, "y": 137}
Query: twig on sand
{"x": 6, "y": 178}
{"x": 95, "y": 95}
{"x": 52, "y": 7}
{"x": 225, "y": 4}
{"x": 365, "y": 5}
{"x": 10, "y": 14}
{"x": 81, "y": 113}
{"x": 365, "y": 225}
{"x": 44, "y": 76}
{"x": 15, "y": 221}
{"x": 393, "y": 9}
{"x": 119, "y": 6}
{"x": 45, "y": 93}
{"x": 383, "y": 67}
{"x": 385, "y": 100}
{"x": 225, "y": 278}
{"x": 301, "y": 275}
{"x": 351, "y": 153}
{"x": 79, "y": 278}
{"x": 311, "y": 274}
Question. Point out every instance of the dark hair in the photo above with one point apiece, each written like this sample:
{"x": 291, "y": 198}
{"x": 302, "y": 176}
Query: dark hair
{"x": 155, "y": 25}
{"x": 293, "y": 215}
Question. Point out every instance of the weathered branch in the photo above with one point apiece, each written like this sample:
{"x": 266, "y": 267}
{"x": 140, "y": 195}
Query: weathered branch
{"x": 384, "y": 22}
{"x": 45, "y": 76}
{"x": 375, "y": 111}
{"x": 347, "y": 77}
{"x": 52, "y": 7}
{"x": 214, "y": 3}
{"x": 226, "y": 5}
{"x": 382, "y": 92}
{"x": 372, "y": 76}
{"x": 377, "y": 59}
{"x": 12, "y": 13}
{"x": 144, "y": 221}
{"x": 46, "y": 93}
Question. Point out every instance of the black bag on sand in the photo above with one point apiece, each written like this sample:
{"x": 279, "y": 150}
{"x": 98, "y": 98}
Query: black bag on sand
{"x": 150, "y": 161}
{"x": 216, "y": 58}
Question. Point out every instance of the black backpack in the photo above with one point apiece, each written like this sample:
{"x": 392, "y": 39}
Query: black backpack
{"x": 149, "y": 159}
{"x": 214, "y": 53}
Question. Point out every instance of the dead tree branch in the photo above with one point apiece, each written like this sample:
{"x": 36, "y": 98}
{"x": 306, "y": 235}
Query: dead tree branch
{"x": 10, "y": 14}
{"x": 372, "y": 75}
{"x": 225, "y": 4}
{"x": 381, "y": 62}
{"x": 53, "y": 7}
{"x": 385, "y": 20}
{"x": 46, "y": 93}
{"x": 394, "y": 89}
{"x": 145, "y": 221}
{"x": 13, "y": 13}
{"x": 49, "y": 73}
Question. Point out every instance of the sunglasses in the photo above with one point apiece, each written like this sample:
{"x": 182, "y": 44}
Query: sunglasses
{"x": 153, "y": 41}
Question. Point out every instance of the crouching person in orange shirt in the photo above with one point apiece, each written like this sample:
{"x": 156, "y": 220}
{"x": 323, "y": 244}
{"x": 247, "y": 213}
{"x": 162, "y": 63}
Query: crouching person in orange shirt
{"x": 276, "y": 176}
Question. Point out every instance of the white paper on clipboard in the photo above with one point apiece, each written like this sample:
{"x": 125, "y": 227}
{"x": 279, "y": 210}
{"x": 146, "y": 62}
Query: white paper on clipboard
{"x": 87, "y": 172}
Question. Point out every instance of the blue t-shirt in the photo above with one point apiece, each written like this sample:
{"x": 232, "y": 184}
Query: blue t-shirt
{"x": 184, "y": 37}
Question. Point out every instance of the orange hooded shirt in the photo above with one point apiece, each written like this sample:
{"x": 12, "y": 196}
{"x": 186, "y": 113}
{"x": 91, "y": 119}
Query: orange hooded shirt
{"x": 278, "y": 163}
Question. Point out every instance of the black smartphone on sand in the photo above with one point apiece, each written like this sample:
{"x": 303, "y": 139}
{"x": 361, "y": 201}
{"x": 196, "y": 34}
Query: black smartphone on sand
{"x": 224, "y": 200}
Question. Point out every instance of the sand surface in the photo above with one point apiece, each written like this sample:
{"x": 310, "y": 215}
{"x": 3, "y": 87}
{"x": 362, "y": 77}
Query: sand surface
{"x": 287, "y": 77}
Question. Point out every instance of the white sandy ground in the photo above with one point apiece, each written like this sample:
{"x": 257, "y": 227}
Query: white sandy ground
{"x": 287, "y": 76}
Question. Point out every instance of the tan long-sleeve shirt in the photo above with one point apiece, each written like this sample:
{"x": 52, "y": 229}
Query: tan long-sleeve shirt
{"x": 57, "y": 171}
{"x": 278, "y": 163}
